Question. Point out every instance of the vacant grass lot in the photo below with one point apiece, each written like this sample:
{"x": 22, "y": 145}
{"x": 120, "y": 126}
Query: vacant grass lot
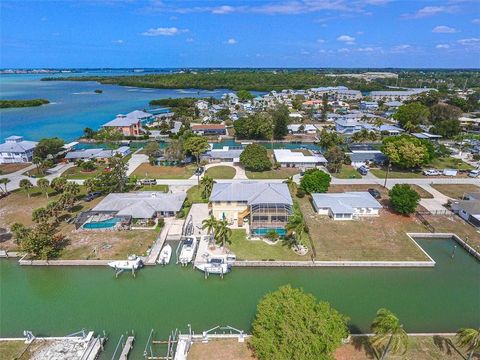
{"x": 456, "y": 191}
{"x": 348, "y": 172}
{"x": 259, "y": 250}
{"x": 450, "y": 163}
{"x": 396, "y": 174}
{"x": 77, "y": 173}
{"x": 11, "y": 168}
{"x": 229, "y": 349}
{"x": 221, "y": 172}
{"x": 148, "y": 171}
{"x": 281, "y": 173}
{"x": 13, "y": 350}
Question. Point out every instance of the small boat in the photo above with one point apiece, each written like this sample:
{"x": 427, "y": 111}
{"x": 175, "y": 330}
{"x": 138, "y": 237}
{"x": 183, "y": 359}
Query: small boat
{"x": 126, "y": 264}
{"x": 188, "y": 250}
{"x": 165, "y": 255}
{"x": 218, "y": 264}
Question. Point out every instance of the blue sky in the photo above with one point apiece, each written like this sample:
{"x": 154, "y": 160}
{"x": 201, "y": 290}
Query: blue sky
{"x": 292, "y": 33}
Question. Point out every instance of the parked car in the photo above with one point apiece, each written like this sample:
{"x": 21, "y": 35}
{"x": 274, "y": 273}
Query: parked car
{"x": 363, "y": 170}
{"x": 431, "y": 172}
{"x": 474, "y": 173}
{"x": 148, "y": 182}
{"x": 450, "y": 172}
{"x": 92, "y": 195}
{"x": 199, "y": 171}
{"x": 375, "y": 193}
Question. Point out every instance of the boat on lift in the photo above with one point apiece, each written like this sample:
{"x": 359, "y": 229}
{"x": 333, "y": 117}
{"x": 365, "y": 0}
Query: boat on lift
{"x": 218, "y": 264}
{"x": 165, "y": 255}
{"x": 188, "y": 250}
{"x": 133, "y": 264}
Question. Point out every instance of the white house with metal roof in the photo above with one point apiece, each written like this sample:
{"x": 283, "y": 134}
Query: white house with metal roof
{"x": 96, "y": 154}
{"x": 346, "y": 206}
{"x": 289, "y": 158}
{"x": 264, "y": 206}
{"x": 16, "y": 150}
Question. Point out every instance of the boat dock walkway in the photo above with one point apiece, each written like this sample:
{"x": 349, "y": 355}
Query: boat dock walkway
{"x": 171, "y": 231}
{"x": 127, "y": 348}
{"x": 198, "y": 213}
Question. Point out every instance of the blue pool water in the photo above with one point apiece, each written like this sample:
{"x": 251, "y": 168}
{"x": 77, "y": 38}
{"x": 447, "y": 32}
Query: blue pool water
{"x": 105, "y": 224}
{"x": 264, "y": 231}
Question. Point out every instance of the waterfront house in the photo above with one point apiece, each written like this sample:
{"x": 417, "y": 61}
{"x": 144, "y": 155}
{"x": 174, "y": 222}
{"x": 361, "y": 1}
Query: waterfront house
{"x": 209, "y": 129}
{"x": 129, "y": 124}
{"x": 259, "y": 206}
{"x": 468, "y": 209}
{"x": 289, "y": 158}
{"x": 96, "y": 154}
{"x": 346, "y": 206}
{"x": 16, "y": 150}
{"x": 426, "y": 136}
{"x": 348, "y": 126}
{"x": 224, "y": 154}
{"x": 302, "y": 129}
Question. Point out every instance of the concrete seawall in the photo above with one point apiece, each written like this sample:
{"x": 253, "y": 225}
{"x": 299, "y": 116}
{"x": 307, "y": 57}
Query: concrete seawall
{"x": 247, "y": 263}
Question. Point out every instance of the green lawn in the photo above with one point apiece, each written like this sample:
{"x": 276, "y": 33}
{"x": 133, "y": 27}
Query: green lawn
{"x": 194, "y": 195}
{"x": 163, "y": 188}
{"x": 281, "y": 173}
{"x": 347, "y": 172}
{"x": 450, "y": 163}
{"x": 77, "y": 173}
{"x": 148, "y": 171}
{"x": 259, "y": 250}
{"x": 396, "y": 174}
{"x": 221, "y": 172}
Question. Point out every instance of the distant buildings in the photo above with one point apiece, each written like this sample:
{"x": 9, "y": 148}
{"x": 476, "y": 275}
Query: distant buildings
{"x": 302, "y": 129}
{"x": 96, "y": 154}
{"x": 129, "y": 124}
{"x": 346, "y": 206}
{"x": 209, "y": 129}
{"x": 16, "y": 150}
{"x": 398, "y": 95}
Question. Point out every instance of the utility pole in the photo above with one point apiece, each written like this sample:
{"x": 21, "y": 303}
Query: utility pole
{"x": 386, "y": 174}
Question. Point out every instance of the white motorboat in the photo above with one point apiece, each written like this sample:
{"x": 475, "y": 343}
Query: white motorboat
{"x": 188, "y": 250}
{"x": 126, "y": 264}
{"x": 218, "y": 264}
{"x": 165, "y": 255}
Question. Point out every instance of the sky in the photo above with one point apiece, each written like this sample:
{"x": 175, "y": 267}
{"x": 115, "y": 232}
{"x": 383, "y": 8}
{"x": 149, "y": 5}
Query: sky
{"x": 232, "y": 33}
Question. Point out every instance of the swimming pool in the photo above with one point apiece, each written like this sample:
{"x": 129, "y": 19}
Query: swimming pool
{"x": 264, "y": 231}
{"x": 105, "y": 224}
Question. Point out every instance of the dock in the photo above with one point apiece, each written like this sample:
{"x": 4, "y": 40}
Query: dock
{"x": 127, "y": 348}
{"x": 171, "y": 231}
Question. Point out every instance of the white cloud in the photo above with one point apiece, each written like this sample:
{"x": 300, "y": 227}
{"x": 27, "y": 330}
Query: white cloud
{"x": 320, "y": 41}
{"x": 444, "y": 29}
{"x": 119, "y": 41}
{"x": 304, "y": 52}
{"x": 366, "y": 49}
{"x": 346, "y": 39}
{"x": 225, "y": 9}
{"x": 231, "y": 41}
{"x": 431, "y": 11}
{"x": 443, "y": 46}
{"x": 360, "y": 32}
{"x": 164, "y": 31}
{"x": 476, "y": 21}
{"x": 401, "y": 48}
{"x": 469, "y": 42}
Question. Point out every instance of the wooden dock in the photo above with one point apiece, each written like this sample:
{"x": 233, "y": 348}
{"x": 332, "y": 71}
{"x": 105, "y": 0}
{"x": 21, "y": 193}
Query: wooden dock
{"x": 127, "y": 348}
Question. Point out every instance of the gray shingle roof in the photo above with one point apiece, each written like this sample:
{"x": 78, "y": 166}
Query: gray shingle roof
{"x": 252, "y": 192}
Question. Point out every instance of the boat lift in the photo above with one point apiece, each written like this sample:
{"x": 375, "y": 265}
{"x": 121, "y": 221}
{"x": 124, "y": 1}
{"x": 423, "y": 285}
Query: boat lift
{"x": 126, "y": 346}
{"x": 171, "y": 344}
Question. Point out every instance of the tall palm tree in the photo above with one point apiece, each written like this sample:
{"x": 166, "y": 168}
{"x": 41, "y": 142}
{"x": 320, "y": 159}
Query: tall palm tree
{"x": 26, "y": 185}
{"x": 296, "y": 224}
{"x": 40, "y": 215}
{"x": 207, "y": 183}
{"x": 209, "y": 224}
{"x": 4, "y": 182}
{"x": 223, "y": 233}
{"x": 44, "y": 184}
{"x": 469, "y": 338}
{"x": 389, "y": 333}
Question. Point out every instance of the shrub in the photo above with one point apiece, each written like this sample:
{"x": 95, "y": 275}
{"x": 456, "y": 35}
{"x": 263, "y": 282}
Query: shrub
{"x": 255, "y": 158}
{"x": 300, "y": 193}
{"x": 404, "y": 199}
{"x": 315, "y": 181}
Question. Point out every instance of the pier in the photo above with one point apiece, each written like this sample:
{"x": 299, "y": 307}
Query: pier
{"x": 127, "y": 348}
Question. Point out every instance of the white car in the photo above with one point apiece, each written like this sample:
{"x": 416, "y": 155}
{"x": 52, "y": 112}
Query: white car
{"x": 474, "y": 173}
{"x": 431, "y": 172}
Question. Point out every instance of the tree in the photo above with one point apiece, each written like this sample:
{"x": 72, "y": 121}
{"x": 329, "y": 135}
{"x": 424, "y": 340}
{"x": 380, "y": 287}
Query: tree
{"x": 41, "y": 241}
{"x": 58, "y": 184}
{"x": 209, "y": 224}
{"x": 174, "y": 151}
{"x": 116, "y": 179}
{"x": 244, "y": 95}
{"x": 257, "y": 127}
{"x": 290, "y": 324}
{"x": 404, "y": 199}
{"x": 296, "y": 224}
{"x": 324, "y": 107}
{"x": 26, "y": 185}
{"x": 281, "y": 118}
{"x": 470, "y": 339}
{"x": 445, "y": 121}
{"x": 329, "y": 139}
{"x": 88, "y": 133}
{"x": 414, "y": 114}
{"x": 207, "y": 185}
{"x": 389, "y": 334}
{"x": 152, "y": 149}
{"x": 406, "y": 151}
{"x": 255, "y": 158}
{"x": 196, "y": 145}
{"x": 335, "y": 157}
{"x": 44, "y": 184}
{"x": 315, "y": 181}
{"x": 4, "y": 182}
{"x": 88, "y": 166}
{"x": 40, "y": 215}
{"x": 48, "y": 147}
{"x": 222, "y": 233}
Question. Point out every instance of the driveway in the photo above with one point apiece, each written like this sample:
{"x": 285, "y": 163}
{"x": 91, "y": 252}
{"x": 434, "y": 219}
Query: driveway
{"x": 135, "y": 161}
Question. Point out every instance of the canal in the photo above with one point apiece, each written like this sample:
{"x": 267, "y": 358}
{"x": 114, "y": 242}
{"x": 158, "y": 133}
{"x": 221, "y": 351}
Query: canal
{"x": 59, "y": 301}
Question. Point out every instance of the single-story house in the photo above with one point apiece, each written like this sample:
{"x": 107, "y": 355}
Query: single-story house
{"x": 129, "y": 124}
{"x": 209, "y": 129}
{"x": 265, "y": 206}
{"x": 427, "y": 136}
{"x": 368, "y": 105}
{"x": 225, "y": 154}
{"x": 302, "y": 129}
{"x": 16, "y": 150}
{"x": 289, "y": 158}
{"x": 346, "y": 206}
{"x": 96, "y": 154}
{"x": 142, "y": 204}
{"x": 469, "y": 209}
{"x": 362, "y": 158}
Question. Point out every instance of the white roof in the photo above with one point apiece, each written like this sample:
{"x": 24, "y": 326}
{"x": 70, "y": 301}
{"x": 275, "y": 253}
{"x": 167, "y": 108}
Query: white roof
{"x": 289, "y": 156}
{"x": 130, "y": 119}
{"x": 345, "y": 202}
{"x": 15, "y": 144}
{"x": 306, "y": 127}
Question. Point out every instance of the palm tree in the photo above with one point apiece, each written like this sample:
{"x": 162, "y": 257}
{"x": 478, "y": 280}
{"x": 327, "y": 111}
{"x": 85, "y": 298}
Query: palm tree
{"x": 44, "y": 184}
{"x": 40, "y": 215}
{"x": 5, "y": 181}
{"x": 209, "y": 224}
{"x": 223, "y": 233}
{"x": 389, "y": 333}
{"x": 26, "y": 185}
{"x": 469, "y": 338}
{"x": 207, "y": 183}
{"x": 296, "y": 224}
{"x": 58, "y": 184}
